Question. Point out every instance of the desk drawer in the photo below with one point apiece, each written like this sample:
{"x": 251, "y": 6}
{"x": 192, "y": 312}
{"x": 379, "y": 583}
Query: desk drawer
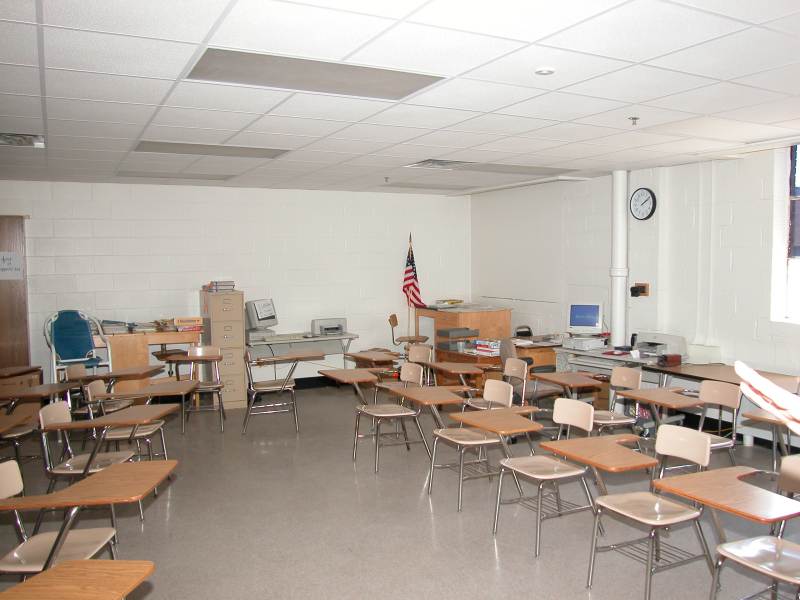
{"x": 226, "y": 307}
{"x": 227, "y": 334}
{"x": 232, "y": 361}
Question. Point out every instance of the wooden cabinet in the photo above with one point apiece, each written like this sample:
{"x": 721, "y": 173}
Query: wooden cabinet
{"x": 223, "y": 326}
{"x": 494, "y": 323}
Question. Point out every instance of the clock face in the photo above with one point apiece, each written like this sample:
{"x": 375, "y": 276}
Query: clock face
{"x": 643, "y": 204}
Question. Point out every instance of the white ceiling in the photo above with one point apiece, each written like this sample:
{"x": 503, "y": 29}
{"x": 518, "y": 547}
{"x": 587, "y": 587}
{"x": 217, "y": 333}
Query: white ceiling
{"x": 707, "y": 78}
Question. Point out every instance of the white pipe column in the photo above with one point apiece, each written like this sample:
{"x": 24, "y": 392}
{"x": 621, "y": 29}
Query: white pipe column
{"x": 619, "y": 255}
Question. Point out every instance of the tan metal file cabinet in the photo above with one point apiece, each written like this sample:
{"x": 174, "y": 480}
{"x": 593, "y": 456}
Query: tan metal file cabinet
{"x": 223, "y": 326}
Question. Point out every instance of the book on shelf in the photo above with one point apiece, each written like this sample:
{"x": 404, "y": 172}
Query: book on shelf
{"x": 220, "y": 286}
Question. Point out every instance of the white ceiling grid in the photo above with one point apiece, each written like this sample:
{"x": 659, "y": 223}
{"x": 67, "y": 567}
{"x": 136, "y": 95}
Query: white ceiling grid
{"x": 705, "y": 78}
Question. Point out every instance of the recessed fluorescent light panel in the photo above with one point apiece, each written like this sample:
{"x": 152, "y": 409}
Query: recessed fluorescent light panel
{"x": 266, "y": 70}
{"x": 426, "y": 186}
{"x": 26, "y": 140}
{"x": 156, "y": 175}
{"x": 460, "y": 165}
{"x": 208, "y": 149}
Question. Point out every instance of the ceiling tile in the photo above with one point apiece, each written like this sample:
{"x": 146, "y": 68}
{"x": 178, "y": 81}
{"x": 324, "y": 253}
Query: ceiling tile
{"x": 526, "y": 20}
{"x": 519, "y": 144}
{"x": 315, "y": 156}
{"x": 306, "y": 31}
{"x": 98, "y": 86}
{"x": 117, "y": 54}
{"x": 648, "y": 116}
{"x": 318, "y": 106}
{"x": 18, "y": 10}
{"x": 384, "y": 133}
{"x": 783, "y": 79}
{"x": 638, "y": 83}
{"x": 378, "y": 161}
{"x": 208, "y": 119}
{"x": 790, "y": 24}
{"x": 352, "y": 146}
{"x": 754, "y": 11}
{"x": 190, "y": 94}
{"x": 634, "y": 139}
{"x": 20, "y": 106}
{"x": 156, "y": 162}
{"x": 90, "y": 110}
{"x": 19, "y": 80}
{"x": 420, "y": 116}
{"x": 794, "y": 124}
{"x": 270, "y": 140}
{"x": 573, "y": 132}
{"x": 736, "y": 55}
{"x": 634, "y": 154}
{"x": 413, "y": 152}
{"x": 478, "y": 155}
{"x": 715, "y": 98}
{"x": 13, "y": 124}
{"x": 185, "y": 20}
{"x": 723, "y": 129}
{"x": 224, "y": 165}
{"x": 92, "y": 129}
{"x": 495, "y": 123}
{"x": 55, "y": 142}
{"x": 560, "y": 106}
{"x": 294, "y": 125}
{"x": 770, "y": 112}
{"x": 75, "y": 154}
{"x": 18, "y": 44}
{"x": 641, "y": 30}
{"x": 382, "y": 8}
{"x": 431, "y": 50}
{"x": 468, "y": 94}
{"x": 190, "y": 135}
{"x": 690, "y": 145}
{"x": 570, "y": 67}
{"x": 456, "y": 139}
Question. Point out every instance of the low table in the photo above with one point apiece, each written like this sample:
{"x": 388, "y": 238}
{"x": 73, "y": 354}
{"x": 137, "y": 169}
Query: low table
{"x": 84, "y": 580}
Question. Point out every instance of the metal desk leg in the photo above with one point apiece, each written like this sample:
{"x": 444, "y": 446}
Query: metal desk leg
{"x": 718, "y": 530}
{"x": 99, "y": 442}
{"x": 360, "y": 394}
{"x": 69, "y": 519}
{"x": 601, "y": 484}
{"x": 776, "y": 434}
{"x": 437, "y": 416}
{"x": 508, "y": 454}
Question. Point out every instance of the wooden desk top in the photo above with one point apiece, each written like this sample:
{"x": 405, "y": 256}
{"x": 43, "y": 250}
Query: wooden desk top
{"x": 456, "y": 368}
{"x": 429, "y": 395}
{"x": 185, "y": 358}
{"x": 84, "y": 580}
{"x": 159, "y": 389}
{"x": 290, "y": 357}
{"x": 118, "y": 484}
{"x": 664, "y": 397}
{"x": 763, "y": 416}
{"x": 568, "y": 379}
{"x": 372, "y": 356}
{"x": 349, "y": 376}
{"x": 127, "y": 417}
{"x": 15, "y": 419}
{"x": 36, "y": 392}
{"x": 604, "y": 452}
{"x": 502, "y": 421}
{"x": 714, "y": 372}
{"x": 724, "y": 490}
{"x": 121, "y": 374}
{"x": 6, "y": 372}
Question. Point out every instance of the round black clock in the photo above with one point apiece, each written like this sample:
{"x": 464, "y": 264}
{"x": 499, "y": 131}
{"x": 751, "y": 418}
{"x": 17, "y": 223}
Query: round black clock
{"x": 643, "y": 204}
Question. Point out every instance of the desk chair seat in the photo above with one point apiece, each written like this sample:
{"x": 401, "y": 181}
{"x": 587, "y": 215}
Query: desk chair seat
{"x": 774, "y": 557}
{"x": 383, "y": 411}
{"x": 411, "y": 339}
{"x": 606, "y": 418}
{"x": 124, "y": 433}
{"x": 75, "y": 465}
{"x": 541, "y": 467}
{"x": 719, "y": 443}
{"x": 647, "y": 508}
{"x": 464, "y": 436}
{"x": 273, "y": 385}
{"x": 81, "y": 544}
{"x": 16, "y": 436}
{"x": 622, "y": 378}
{"x": 103, "y": 407}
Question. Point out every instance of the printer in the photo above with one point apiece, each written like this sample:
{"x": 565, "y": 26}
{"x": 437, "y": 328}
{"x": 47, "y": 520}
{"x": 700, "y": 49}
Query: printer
{"x": 336, "y": 326}
{"x": 656, "y": 344}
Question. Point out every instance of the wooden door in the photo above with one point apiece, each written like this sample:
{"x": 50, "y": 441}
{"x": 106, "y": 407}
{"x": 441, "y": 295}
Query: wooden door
{"x": 14, "y": 345}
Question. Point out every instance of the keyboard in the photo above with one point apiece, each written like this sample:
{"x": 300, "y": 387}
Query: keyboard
{"x": 280, "y": 337}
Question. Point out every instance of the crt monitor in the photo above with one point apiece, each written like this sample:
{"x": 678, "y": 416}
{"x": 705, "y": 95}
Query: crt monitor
{"x": 585, "y": 318}
{"x": 260, "y": 314}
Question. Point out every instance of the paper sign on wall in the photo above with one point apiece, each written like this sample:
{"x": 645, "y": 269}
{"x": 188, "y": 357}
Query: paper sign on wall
{"x": 10, "y": 265}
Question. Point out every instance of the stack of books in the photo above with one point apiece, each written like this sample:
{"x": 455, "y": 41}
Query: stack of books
{"x": 487, "y": 347}
{"x": 114, "y": 327}
{"x": 188, "y": 323}
{"x": 144, "y": 327}
{"x": 219, "y": 286}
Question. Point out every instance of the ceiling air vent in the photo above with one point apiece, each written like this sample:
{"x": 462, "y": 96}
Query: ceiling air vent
{"x": 28, "y": 140}
{"x": 433, "y": 163}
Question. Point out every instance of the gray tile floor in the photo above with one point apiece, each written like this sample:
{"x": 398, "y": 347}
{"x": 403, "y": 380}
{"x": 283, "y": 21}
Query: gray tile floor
{"x": 275, "y": 515}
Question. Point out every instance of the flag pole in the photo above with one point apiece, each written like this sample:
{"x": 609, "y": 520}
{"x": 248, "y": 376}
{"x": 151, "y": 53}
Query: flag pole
{"x": 408, "y": 304}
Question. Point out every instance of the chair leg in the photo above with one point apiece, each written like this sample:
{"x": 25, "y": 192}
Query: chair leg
{"x": 405, "y": 434}
{"x": 163, "y": 442}
{"x": 294, "y": 411}
{"x": 377, "y": 443}
{"x": 221, "y": 413}
{"x": 460, "y": 475}
{"x": 355, "y": 436}
{"x": 497, "y": 502}
{"x": 50, "y": 487}
{"x": 593, "y": 554}
{"x": 112, "y": 548}
{"x": 422, "y": 436}
{"x": 251, "y": 399}
{"x": 17, "y": 453}
{"x": 114, "y": 523}
{"x": 141, "y": 511}
{"x": 650, "y": 555}
{"x": 433, "y": 464}
{"x": 732, "y": 456}
{"x": 715, "y": 577}
{"x": 704, "y": 545}
{"x": 539, "y": 518}
{"x": 183, "y": 414}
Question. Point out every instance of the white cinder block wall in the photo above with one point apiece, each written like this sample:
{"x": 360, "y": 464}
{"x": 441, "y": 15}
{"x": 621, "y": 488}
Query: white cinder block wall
{"x": 140, "y": 252}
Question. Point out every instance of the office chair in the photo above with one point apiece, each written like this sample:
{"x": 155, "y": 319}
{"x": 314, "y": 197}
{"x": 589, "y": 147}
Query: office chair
{"x": 404, "y": 339}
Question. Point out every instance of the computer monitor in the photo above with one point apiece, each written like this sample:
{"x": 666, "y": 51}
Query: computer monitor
{"x": 585, "y": 319}
{"x": 260, "y": 314}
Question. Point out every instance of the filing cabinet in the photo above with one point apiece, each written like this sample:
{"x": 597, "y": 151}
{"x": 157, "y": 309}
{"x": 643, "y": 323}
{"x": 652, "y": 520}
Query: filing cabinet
{"x": 223, "y": 326}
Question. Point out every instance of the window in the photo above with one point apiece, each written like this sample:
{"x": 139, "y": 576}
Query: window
{"x": 794, "y": 205}
{"x": 785, "y": 300}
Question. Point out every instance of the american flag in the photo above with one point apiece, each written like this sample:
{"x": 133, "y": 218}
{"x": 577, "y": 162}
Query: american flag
{"x": 410, "y": 281}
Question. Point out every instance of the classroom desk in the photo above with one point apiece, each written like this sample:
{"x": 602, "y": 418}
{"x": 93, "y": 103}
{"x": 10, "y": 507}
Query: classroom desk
{"x": 133, "y": 350}
{"x": 183, "y": 358}
{"x": 779, "y": 429}
{"x": 133, "y": 416}
{"x": 354, "y": 377}
{"x": 606, "y": 453}
{"x": 505, "y": 422}
{"x": 659, "y": 399}
{"x": 118, "y": 484}
{"x": 456, "y": 370}
{"x": 15, "y": 419}
{"x": 112, "y": 377}
{"x": 160, "y": 389}
{"x": 432, "y": 397}
{"x": 83, "y": 580}
{"x": 372, "y": 358}
{"x": 712, "y": 372}
{"x": 36, "y": 393}
{"x": 724, "y": 490}
{"x": 573, "y": 383}
{"x": 22, "y": 375}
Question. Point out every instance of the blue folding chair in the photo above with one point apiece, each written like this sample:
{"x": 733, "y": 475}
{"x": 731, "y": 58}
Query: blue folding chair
{"x": 70, "y": 338}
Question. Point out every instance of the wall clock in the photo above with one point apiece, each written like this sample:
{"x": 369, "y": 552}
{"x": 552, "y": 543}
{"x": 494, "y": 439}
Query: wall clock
{"x": 643, "y": 204}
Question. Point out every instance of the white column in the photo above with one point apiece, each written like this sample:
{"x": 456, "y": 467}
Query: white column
{"x": 619, "y": 256}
